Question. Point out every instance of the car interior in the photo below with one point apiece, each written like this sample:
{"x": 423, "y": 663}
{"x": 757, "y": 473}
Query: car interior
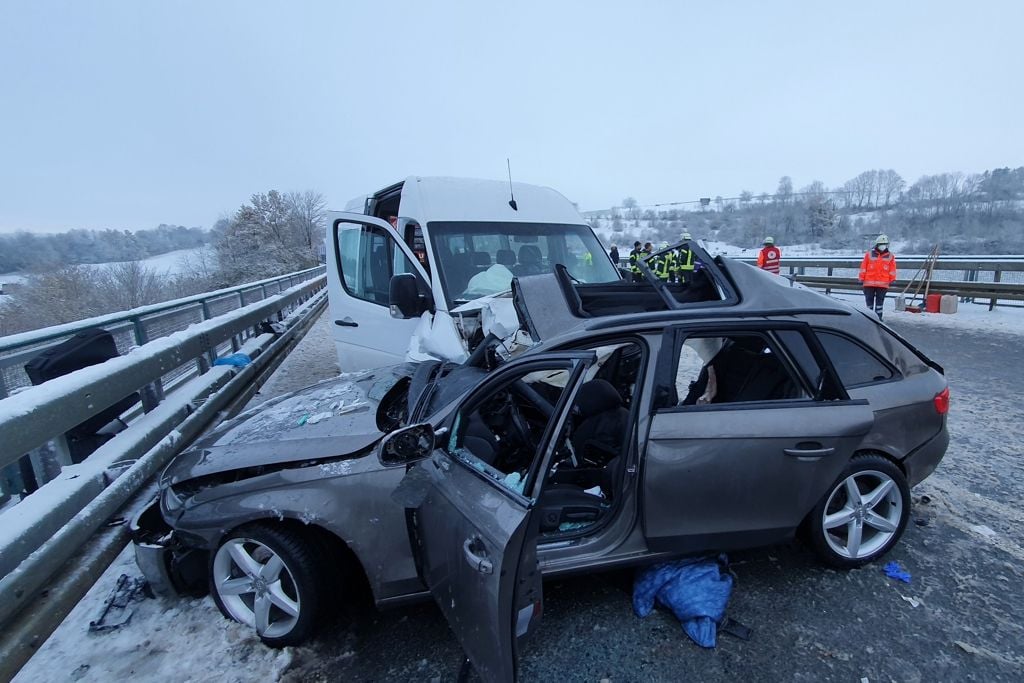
{"x": 502, "y": 435}
{"x": 733, "y": 369}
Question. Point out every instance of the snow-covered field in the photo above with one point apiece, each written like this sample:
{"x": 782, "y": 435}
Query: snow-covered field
{"x": 170, "y": 263}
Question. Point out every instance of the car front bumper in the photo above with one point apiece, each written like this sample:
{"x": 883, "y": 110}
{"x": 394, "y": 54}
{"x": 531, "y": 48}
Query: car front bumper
{"x": 171, "y": 568}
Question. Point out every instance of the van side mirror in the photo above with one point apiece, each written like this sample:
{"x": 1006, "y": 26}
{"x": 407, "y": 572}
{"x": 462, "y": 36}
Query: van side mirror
{"x": 407, "y": 445}
{"x": 407, "y": 298}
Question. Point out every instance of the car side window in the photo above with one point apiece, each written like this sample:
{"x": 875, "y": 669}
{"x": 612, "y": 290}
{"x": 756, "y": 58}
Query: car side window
{"x": 368, "y": 257}
{"x": 499, "y": 431}
{"x": 733, "y": 368}
{"x": 855, "y": 364}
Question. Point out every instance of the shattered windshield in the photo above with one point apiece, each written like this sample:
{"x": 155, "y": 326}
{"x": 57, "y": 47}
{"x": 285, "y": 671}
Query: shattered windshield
{"x": 478, "y": 259}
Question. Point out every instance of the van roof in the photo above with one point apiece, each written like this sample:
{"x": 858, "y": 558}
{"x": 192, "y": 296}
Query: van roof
{"x": 473, "y": 199}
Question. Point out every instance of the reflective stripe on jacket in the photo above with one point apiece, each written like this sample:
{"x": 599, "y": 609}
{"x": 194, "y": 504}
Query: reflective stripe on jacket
{"x": 634, "y": 256}
{"x": 769, "y": 258}
{"x": 664, "y": 265}
{"x": 683, "y": 260}
{"x": 878, "y": 269}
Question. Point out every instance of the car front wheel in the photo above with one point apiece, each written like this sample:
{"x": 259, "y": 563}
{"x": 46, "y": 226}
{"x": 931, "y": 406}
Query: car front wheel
{"x": 863, "y": 514}
{"x": 267, "y": 579}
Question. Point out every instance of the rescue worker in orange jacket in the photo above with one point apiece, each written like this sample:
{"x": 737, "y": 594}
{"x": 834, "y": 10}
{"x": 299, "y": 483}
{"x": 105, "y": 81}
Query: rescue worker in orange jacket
{"x": 877, "y": 272}
{"x": 769, "y": 256}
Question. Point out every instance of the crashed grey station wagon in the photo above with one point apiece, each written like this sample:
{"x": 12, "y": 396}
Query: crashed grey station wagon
{"x": 637, "y": 422}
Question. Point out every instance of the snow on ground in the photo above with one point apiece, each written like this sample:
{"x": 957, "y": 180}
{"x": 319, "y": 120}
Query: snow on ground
{"x": 186, "y": 640}
{"x": 977, "y": 317}
{"x": 170, "y": 263}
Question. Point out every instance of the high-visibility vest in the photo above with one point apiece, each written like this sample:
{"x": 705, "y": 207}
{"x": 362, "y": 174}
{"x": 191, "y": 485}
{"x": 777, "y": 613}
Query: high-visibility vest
{"x": 683, "y": 260}
{"x": 634, "y": 257}
{"x": 588, "y": 258}
{"x": 664, "y": 265}
{"x": 878, "y": 269}
{"x": 769, "y": 258}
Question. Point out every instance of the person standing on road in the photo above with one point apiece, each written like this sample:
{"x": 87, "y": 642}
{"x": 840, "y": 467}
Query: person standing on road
{"x": 770, "y": 256}
{"x": 877, "y": 272}
{"x": 664, "y": 266}
{"x": 634, "y": 259}
{"x": 684, "y": 261}
{"x": 614, "y": 253}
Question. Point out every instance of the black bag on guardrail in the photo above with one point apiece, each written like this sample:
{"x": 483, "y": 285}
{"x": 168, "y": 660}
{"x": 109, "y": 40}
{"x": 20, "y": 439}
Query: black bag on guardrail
{"x": 88, "y": 347}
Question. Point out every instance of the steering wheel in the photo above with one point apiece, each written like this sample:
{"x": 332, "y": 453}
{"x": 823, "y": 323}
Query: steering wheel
{"x": 533, "y": 397}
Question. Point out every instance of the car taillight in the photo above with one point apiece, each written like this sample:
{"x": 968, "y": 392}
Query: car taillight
{"x": 942, "y": 401}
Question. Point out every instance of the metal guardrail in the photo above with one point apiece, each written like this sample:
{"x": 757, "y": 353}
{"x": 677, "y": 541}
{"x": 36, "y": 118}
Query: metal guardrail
{"x": 996, "y": 279}
{"x": 56, "y": 538}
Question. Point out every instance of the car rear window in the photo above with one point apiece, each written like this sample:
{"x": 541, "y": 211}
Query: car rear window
{"x": 855, "y": 364}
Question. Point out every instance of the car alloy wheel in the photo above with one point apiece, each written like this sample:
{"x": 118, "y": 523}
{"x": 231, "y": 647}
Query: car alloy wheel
{"x": 863, "y": 515}
{"x": 266, "y": 579}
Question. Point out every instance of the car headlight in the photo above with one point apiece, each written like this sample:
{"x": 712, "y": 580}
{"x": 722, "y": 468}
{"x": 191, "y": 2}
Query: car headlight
{"x": 171, "y": 501}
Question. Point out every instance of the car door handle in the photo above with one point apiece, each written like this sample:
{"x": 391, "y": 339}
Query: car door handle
{"x": 808, "y": 453}
{"x": 481, "y": 564}
{"x": 346, "y": 322}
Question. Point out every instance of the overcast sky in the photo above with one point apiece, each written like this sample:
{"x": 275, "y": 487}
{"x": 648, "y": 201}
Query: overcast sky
{"x": 130, "y": 114}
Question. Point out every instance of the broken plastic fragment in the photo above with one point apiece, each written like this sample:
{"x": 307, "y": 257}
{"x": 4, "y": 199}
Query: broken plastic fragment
{"x": 595, "y": 491}
{"x": 318, "y": 417}
{"x": 573, "y": 526}
{"x": 983, "y": 530}
{"x": 302, "y": 420}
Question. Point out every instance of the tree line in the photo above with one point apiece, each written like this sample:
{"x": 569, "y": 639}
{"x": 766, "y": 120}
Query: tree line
{"x": 275, "y": 233}
{"x": 979, "y": 213}
{"x": 27, "y": 251}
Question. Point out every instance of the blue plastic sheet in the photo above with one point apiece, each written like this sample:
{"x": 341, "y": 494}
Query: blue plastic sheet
{"x": 894, "y": 571}
{"x": 239, "y": 360}
{"x": 696, "y": 590}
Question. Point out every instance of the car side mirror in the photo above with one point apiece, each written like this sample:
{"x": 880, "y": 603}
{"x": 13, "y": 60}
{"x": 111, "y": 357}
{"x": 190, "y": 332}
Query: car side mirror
{"x": 407, "y": 298}
{"x": 407, "y": 445}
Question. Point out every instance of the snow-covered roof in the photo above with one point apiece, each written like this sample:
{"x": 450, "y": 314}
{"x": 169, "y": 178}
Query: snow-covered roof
{"x": 472, "y": 199}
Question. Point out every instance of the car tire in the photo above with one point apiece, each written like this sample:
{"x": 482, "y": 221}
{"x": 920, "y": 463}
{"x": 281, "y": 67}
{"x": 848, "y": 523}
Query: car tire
{"x": 862, "y": 515}
{"x": 270, "y": 580}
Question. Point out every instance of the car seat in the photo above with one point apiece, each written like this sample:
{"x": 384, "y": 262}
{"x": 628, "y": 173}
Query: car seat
{"x": 597, "y": 442}
{"x": 529, "y": 260}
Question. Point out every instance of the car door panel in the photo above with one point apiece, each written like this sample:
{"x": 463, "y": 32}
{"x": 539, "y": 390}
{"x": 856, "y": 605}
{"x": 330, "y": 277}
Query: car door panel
{"x": 476, "y": 539}
{"x": 725, "y": 476}
{"x": 366, "y": 251}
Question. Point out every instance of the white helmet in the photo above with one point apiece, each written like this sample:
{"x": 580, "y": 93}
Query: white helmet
{"x": 769, "y": 240}
{"x": 882, "y": 239}
{"x": 686, "y": 236}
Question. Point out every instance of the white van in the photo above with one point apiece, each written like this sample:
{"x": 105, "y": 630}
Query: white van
{"x": 422, "y": 269}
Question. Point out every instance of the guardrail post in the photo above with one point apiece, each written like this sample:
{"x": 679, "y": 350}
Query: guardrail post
{"x": 828, "y": 290}
{"x": 204, "y": 363}
{"x": 995, "y": 278}
{"x": 153, "y": 392}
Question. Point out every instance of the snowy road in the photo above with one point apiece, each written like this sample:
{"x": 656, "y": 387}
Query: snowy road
{"x": 961, "y": 617}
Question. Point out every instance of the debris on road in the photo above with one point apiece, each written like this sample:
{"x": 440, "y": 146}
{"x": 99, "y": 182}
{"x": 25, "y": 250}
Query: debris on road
{"x": 983, "y": 530}
{"x": 238, "y": 360}
{"x": 115, "y": 612}
{"x": 894, "y": 571}
{"x": 696, "y": 590}
{"x": 914, "y": 602}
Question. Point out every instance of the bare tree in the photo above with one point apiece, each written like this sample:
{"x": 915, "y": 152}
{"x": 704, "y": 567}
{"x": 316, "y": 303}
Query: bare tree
{"x": 308, "y": 210}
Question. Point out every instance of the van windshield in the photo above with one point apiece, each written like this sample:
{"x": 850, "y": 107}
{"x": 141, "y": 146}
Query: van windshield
{"x": 476, "y": 259}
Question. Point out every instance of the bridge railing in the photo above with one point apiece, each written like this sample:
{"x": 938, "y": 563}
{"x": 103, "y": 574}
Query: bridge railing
{"x": 56, "y": 541}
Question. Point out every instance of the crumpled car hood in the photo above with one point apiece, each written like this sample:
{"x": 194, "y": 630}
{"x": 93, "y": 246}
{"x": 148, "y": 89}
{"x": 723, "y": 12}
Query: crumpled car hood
{"x": 334, "y": 418}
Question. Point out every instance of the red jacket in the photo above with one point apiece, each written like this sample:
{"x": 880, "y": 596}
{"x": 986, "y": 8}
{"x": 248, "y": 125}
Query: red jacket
{"x": 878, "y": 269}
{"x": 768, "y": 259}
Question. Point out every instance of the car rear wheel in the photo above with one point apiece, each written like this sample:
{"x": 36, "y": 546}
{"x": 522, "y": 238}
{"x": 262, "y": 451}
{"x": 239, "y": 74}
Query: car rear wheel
{"x": 269, "y": 580}
{"x": 863, "y": 515}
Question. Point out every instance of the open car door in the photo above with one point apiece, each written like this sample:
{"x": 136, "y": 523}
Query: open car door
{"x": 475, "y": 530}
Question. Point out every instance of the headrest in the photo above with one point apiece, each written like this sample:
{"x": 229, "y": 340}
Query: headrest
{"x": 597, "y": 396}
{"x": 505, "y": 257}
{"x": 529, "y": 253}
{"x": 481, "y": 258}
